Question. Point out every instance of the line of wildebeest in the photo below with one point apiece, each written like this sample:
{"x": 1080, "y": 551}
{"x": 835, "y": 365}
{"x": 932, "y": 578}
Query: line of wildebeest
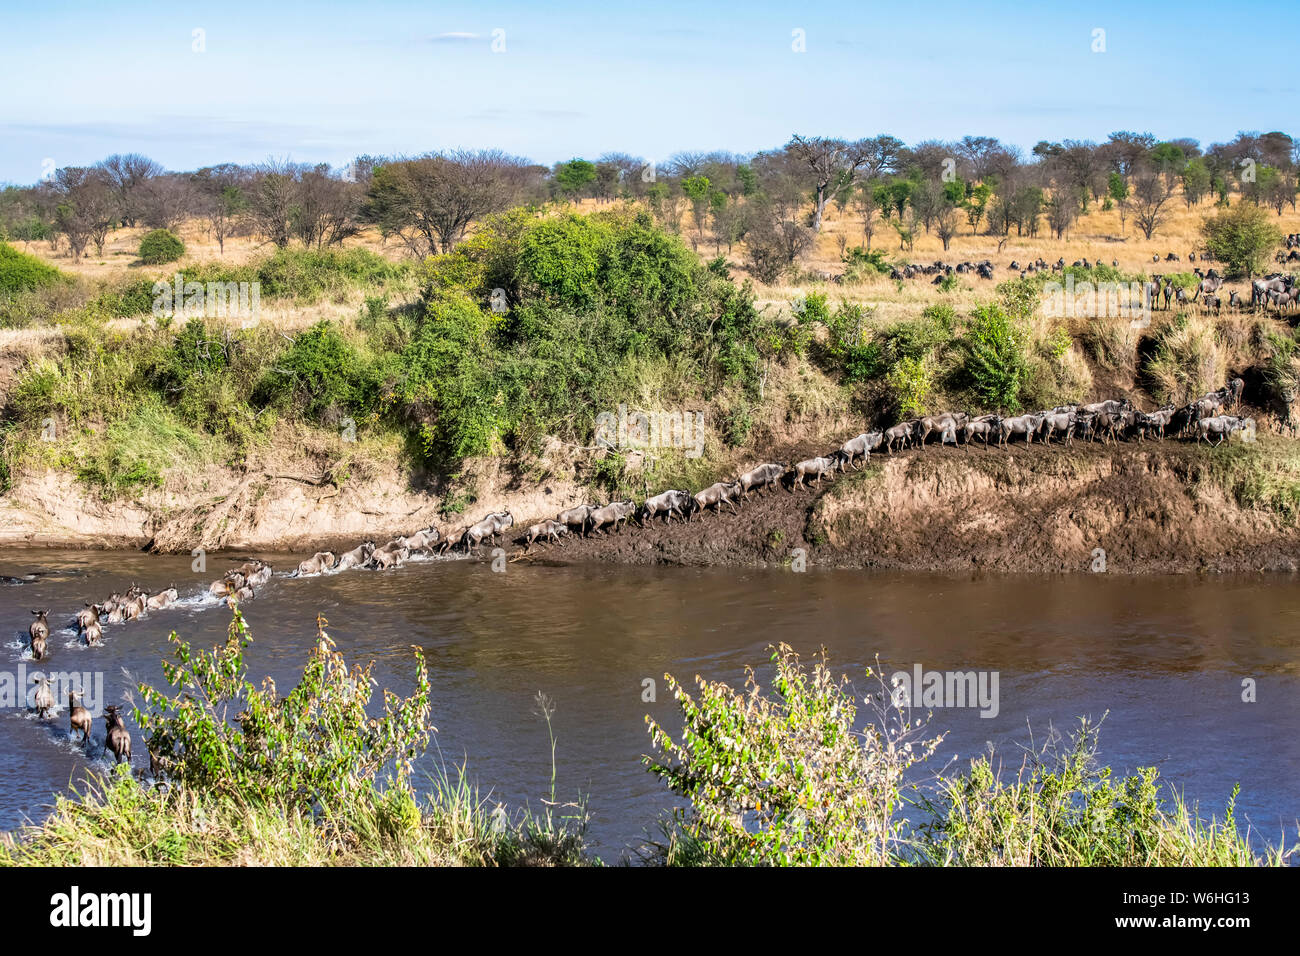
{"x": 1276, "y": 290}
{"x": 1111, "y": 420}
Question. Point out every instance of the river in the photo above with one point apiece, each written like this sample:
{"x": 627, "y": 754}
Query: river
{"x": 1164, "y": 657}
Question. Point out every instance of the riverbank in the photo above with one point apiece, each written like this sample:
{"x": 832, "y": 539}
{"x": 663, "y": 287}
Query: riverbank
{"x": 1153, "y": 508}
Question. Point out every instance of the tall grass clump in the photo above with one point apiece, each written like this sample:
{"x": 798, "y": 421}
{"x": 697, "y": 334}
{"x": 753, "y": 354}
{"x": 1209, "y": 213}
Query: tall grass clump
{"x": 1185, "y": 361}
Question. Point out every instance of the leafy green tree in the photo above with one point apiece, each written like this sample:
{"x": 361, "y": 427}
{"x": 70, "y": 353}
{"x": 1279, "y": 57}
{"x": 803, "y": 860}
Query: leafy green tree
{"x": 1117, "y": 189}
{"x": 1243, "y": 237}
{"x": 573, "y": 177}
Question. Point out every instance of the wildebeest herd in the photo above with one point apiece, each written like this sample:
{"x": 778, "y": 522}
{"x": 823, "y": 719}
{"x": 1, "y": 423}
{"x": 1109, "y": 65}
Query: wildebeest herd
{"x": 1205, "y": 419}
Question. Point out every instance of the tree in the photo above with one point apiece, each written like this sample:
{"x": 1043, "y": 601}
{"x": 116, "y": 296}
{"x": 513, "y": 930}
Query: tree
{"x": 85, "y": 207}
{"x": 221, "y": 199}
{"x": 127, "y": 175}
{"x": 945, "y": 224}
{"x": 1242, "y": 237}
{"x": 429, "y": 202}
{"x": 1150, "y": 193}
{"x": 975, "y": 205}
{"x": 573, "y": 178}
{"x": 325, "y": 209}
{"x": 1117, "y": 189}
{"x": 699, "y": 191}
{"x": 1062, "y": 211}
{"x": 271, "y": 202}
{"x": 1196, "y": 182}
{"x": 866, "y": 202}
{"x": 830, "y": 161}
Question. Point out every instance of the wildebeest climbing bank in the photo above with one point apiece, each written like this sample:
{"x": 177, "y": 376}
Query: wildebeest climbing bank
{"x": 591, "y": 462}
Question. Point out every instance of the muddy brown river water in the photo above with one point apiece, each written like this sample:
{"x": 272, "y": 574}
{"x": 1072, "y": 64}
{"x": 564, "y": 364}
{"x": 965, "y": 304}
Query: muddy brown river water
{"x": 1164, "y": 657}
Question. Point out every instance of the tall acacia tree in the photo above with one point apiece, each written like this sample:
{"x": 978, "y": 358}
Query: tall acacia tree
{"x": 832, "y": 162}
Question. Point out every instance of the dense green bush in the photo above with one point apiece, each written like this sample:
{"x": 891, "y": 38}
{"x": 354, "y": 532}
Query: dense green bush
{"x": 995, "y": 357}
{"x": 309, "y": 748}
{"x": 20, "y": 272}
{"x": 160, "y": 247}
{"x": 1241, "y": 236}
{"x": 321, "y": 370}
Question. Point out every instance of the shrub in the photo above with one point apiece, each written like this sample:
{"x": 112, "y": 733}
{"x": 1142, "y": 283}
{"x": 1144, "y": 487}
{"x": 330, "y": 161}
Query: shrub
{"x": 1242, "y": 236}
{"x": 787, "y": 779}
{"x": 995, "y": 357}
{"x": 20, "y": 272}
{"x": 313, "y": 747}
{"x": 321, "y": 370}
{"x": 159, "y": 247}
{"x": 909, "y": 380}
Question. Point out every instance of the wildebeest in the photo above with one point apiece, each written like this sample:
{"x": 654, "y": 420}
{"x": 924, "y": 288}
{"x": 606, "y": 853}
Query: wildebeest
{"x": 859, "y": 447}
{"x": 1057, "y": 423}
{"x": 1235, "y": 388}
{"x": 1221, "y": 427}
{"x": 984, "y": 426}
{"x": 550, "y": 530}
{"x": 90, "y": 613}
{"x": 764, "y": 476}
{"x": 716, "y": 495}
{"x": 39, "y": 632}
{"x": 93, "y": 634}
{"x": 261, "y": 574}
{"x": 162, "y": 599}
{"x": 1025, "y": 425}
{"x": 616, "y": 513}
{"x": 423, "y": 540}
{"x": 318, "y": 562}
{"x": 117, "y": 740}
{"x": 901, "y": 433}
{"x": 390, "y": 555}
{"x": 43, "y": 699}
{"x": 813, "y": 467}
{"x": 241, "y": 595}
{"x": 1154, "y": 422}
{"x": 938, "y": 423}
{"x": 356, "y": 557}
{"x": 575, "y": 518}
{"x": 78, "y": 717}
{"x": 666, "y": 503}
{"x": 484, "y": 528}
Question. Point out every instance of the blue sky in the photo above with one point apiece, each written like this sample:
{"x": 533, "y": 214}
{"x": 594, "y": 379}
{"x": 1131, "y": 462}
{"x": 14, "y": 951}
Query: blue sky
{"x": 325, "y": 81}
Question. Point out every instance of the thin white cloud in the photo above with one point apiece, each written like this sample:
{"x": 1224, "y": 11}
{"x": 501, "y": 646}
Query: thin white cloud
{"x": 454, "y": 37}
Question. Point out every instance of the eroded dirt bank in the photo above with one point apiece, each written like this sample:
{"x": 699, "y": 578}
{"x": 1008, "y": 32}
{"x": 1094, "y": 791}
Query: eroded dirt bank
{"x": 1150, "y": 508}
{"x": 1046, "y": 510}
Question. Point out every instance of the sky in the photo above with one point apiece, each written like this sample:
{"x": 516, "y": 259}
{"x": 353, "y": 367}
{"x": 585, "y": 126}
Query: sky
{"x": 194, "y": 84}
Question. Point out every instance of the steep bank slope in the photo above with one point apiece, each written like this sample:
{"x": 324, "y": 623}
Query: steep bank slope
{"x": 1152, "y": 509}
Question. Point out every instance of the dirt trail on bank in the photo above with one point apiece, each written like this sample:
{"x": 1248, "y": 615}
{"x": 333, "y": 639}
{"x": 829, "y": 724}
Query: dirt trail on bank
{"x": 1045, "y": 509}
{"x": 1017, "y": 509}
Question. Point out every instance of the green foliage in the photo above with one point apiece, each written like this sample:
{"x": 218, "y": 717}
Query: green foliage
{"x": 320, "y": 370}
{"x": 995, "y": 357}
{"x": 313, "y": 747}
{"x": 20, "y": 272}
{"x": 160, "y": 247}
{"x": 574, "y": 176}
{"x": 910, "y": 380}
{"x": 1242, "y": 237}
{"x": 787, "y": 779}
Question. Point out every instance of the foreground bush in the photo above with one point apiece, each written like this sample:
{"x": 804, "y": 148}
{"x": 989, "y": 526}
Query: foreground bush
{"x": 159, "y": 247}
{"x": 313, "y": 746}
{"x": 788, "y": 778}
{"x": 20, "y": 272}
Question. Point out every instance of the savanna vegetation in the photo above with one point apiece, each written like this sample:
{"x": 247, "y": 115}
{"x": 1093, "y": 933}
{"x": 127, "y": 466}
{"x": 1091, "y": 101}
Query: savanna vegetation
{"x": 787, "y": 775}
{"x": 465, "y": 304}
